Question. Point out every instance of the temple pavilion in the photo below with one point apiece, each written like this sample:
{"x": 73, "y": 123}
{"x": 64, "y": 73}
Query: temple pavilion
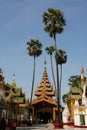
{"x": 13, "y": 100}
{"x": 76, "y": 107}
{"x": 44, "y": 105}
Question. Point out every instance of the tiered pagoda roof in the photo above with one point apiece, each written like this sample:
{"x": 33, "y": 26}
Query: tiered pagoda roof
{"x": 13, "y": 93}
{"x": 44, "y": 87}
{"x": 44, "y": 91}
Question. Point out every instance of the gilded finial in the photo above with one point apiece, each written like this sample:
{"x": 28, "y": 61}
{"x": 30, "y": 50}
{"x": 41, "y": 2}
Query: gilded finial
{"x": 82, "y": 70}
{"x": 13, "y": 77}
{"x": 82, "y": 75}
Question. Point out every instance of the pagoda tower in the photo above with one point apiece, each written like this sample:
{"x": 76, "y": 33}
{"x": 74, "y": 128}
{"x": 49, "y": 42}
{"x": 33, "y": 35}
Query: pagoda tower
{"x": 44, "y": 106}
{"x": 82, "y": 75}
{"x": 44, "y": 88}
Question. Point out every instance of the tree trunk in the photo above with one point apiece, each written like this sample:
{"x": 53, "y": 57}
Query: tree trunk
{"x": 53, "y": 72}
{"x": 60, "y": 81}
{"x": 57, "y": 80}
{"x": 32, "y": 82}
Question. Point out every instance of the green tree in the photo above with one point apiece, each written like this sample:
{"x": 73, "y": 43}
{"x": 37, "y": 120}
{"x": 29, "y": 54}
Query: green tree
{"x": 64, "y": 97}
{"x": 34, "y": 48}
{"x": 50, "y": 51}
{"x": 54, "y": 24}
{"x": 61, "y": 57}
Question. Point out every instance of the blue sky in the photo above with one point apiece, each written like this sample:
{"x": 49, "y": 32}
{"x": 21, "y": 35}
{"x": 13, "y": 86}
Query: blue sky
{"x": 21, "y": 20}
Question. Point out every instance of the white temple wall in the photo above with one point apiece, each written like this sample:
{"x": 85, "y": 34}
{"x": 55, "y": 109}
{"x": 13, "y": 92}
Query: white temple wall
{"x": 76, "y": 120}
{"x": 65, "y": 120}
{"x": 86, "y": 120}
{"x": 66, "y": 114}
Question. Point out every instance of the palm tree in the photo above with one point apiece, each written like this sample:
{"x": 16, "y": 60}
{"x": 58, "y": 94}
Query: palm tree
{"x": 34, "y": 49}
{"x": 61, "y": 59}
{"x": 75, "y": 81}
{"x": 50, "y": 51}
{"x": 54, "y": 24}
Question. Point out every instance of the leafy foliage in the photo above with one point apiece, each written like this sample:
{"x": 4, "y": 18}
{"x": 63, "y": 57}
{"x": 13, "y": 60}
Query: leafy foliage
{"x": 50, "y": 49}
{"x": 34, "y": 48}
{"x": 74, "y": 81}
{"x": 54, "y": 21}
{"x": 61, "y": 57}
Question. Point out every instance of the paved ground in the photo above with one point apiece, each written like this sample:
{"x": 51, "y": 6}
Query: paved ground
{"x": 47, "y": 127}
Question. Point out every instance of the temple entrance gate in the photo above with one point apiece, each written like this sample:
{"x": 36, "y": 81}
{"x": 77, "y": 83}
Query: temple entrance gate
{"x": 44, "y": 117}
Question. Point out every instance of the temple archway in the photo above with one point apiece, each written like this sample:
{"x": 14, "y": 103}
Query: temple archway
{"x": 44, "y": 117}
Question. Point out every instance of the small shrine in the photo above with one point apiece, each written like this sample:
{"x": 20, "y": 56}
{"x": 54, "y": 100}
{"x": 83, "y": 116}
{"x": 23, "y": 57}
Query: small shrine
{"x": 15, "y": 97}
{"x": 76, "y": 107}
{"x": 11, "y": 98}
{"x": 44, "y": 106}
{"x": 75, "y": 93}
{"x": 80, "y": 110}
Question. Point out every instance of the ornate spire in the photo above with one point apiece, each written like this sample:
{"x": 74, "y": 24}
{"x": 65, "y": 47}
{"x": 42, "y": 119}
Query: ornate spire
{"x": 1, "y": 72}
{"x": 82, "y": 75}
{"x": 82, "y": 70}
{"x": 45, "y": 65}
{"x": 13, "y": 77}
{"x": 44, "y": 88}
{"x": 13, "y": 81}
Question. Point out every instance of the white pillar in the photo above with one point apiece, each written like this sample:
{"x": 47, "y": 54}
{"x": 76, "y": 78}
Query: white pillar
{"x": 85, "y": 120}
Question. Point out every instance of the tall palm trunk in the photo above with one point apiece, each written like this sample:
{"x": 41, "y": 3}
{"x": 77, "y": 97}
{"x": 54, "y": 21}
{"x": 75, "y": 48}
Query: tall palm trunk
{"x": 60, "y": 81}
{"x": 33, "y": 81}
{"x": 52, "y": 72}
{"x": 57, "y": 79}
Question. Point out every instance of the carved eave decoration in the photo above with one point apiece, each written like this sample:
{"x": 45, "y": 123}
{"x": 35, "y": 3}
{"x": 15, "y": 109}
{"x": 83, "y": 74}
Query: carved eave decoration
{"x": 38, "y": 93}
{"x": 7, "y": 98}
{"x": 44, "y": 98}
{"x": 19, "y": 100}
{"x": 44, "y": 88}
